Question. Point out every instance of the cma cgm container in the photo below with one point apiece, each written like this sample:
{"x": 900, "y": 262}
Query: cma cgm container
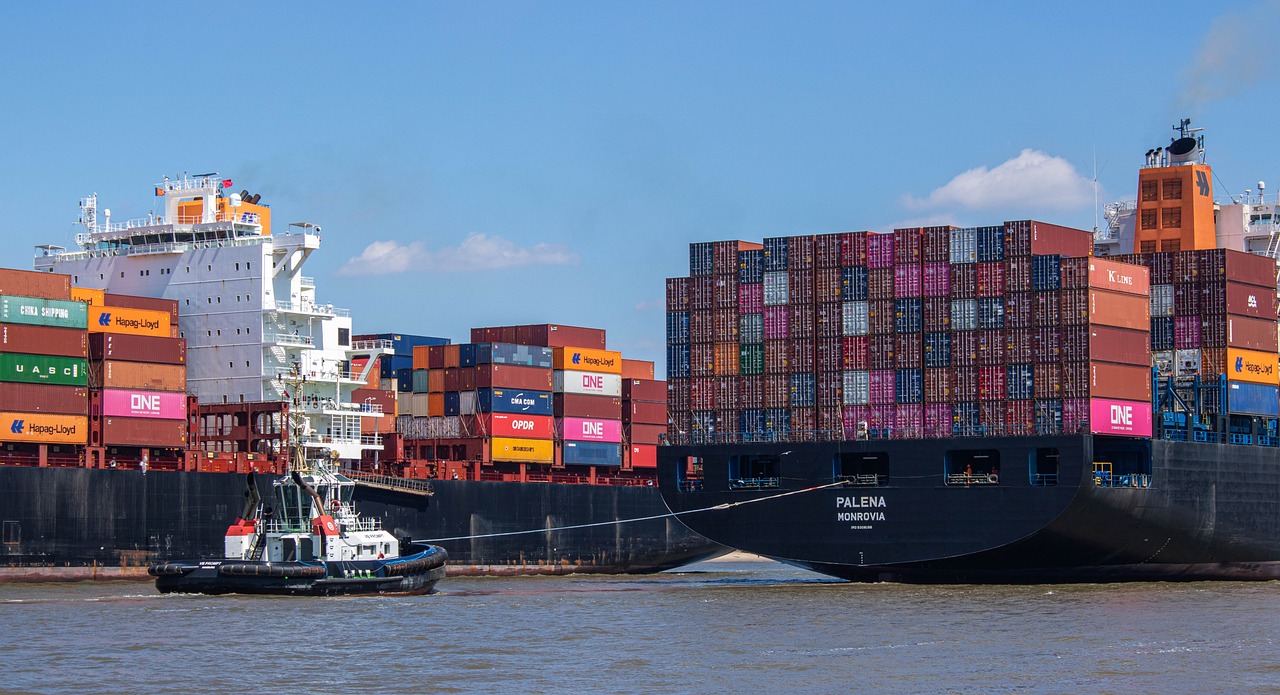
{"x": 43, "y": 340}
{"x": 504, "y": 400}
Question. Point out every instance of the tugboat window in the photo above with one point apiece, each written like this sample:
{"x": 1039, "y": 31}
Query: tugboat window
{"x": 972, "y": 467}
{"x": 863, "y": 468}
{"x": 753, "y": 472}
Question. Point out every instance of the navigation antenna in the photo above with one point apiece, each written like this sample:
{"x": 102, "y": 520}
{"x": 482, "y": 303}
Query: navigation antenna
{"x": 295, "y": 420}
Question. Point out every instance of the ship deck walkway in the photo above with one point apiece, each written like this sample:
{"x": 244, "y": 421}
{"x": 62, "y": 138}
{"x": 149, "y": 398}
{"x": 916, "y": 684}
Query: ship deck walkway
{"x": 412, "y": 486}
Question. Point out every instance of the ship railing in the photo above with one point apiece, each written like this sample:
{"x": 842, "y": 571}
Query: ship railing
{"x": 969, "y": 479}
{"x": 309, "y": 308}
{"x": 1107, "y": 479}
{"x": 382, "y": 344}
{"x": 753, "y": 484}
{"x": 371, "y": 439}
{"x": 871, "y": 433}
{"x": 863, "y": 479}
{"x": 625, "y": 481}
{"x": 689, "y": 486}
{"x": 416, "y": 485}
{"x": 287, "y": 339}
{"x": 1044, "y": 479}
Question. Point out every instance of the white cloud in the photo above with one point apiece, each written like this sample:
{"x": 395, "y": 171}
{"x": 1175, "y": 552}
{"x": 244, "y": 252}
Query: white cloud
{"x": 475, "y": 252}
{"x": 1237, "y": 52}
{"x": 1032, "y": 179}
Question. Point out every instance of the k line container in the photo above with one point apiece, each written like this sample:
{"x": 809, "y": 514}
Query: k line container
{"x": 43, "y": 428}
{"x": 521, "y": 450}
{"x": 43, "y": 340}
{"x": 44, "y": 398}
{"x": 35, "y": 311}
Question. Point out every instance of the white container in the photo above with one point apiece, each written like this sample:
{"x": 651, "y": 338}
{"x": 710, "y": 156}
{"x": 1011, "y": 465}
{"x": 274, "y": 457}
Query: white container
{"x": 964, "y": 314}
{"x": 587, "y": 383}
{"x": 856, "y": 319}
{"x": 775, "y": 288}
{"x": 857, "y": 388}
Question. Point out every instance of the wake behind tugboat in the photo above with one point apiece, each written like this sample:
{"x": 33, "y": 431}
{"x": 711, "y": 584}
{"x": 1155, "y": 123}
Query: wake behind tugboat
{"x": 312, "y": 543}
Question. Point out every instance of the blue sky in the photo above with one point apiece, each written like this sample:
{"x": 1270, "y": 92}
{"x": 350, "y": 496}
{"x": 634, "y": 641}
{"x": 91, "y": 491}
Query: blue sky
{"x": 495, "y": 163}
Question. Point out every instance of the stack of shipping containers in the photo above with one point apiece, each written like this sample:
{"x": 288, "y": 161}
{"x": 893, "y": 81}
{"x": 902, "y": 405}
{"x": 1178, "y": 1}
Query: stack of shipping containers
{"x": 644, "y": 414}
{"x": 391, "y": 377}
{"x": 139, "y": 406}
{"x": 43, "y": 369}
{"x": 587, "y": 398}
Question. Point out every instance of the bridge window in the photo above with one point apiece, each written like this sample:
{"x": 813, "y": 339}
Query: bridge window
{"x": 753, "y": 472}
{"x": 1044, "y": 467}
{"x": 972, "y": 467}
{"x": 863, "y": 468}
{"x": 689, "y": 475}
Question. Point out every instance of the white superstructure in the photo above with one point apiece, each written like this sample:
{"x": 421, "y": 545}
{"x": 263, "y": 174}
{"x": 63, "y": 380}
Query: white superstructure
{"x": 248, "y": 313}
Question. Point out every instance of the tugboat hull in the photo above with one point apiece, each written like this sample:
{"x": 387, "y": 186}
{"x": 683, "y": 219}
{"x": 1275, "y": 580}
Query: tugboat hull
{"x": 414, "y": 574}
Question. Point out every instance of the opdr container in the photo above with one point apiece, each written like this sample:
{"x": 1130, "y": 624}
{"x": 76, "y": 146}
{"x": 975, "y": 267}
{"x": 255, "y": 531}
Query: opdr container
{"x": 1126, "y": 418}
{"x": 43, "y": 340}
{"x": 164, "y": 405}
{"x": 43, "y": 428}
{"x": 44, "y": 369}
{"x": 34, "y": 311}
{"x": 527, "y": 450}
{"x": 514, "y": 425}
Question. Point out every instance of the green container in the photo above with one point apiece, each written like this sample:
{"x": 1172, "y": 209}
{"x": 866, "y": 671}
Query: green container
{"x": 44, "y": 369}
{"x": 751, "y": 360}
{"x": 33, "y": 311}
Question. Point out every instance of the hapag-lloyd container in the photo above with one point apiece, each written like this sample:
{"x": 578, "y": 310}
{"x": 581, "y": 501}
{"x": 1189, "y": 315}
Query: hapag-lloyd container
{"x": 43, "y": 369}
{"x": 589, "y": 383}
{"x": 43, "y": 340}
{"x": 43, "y": 428}
{"x": 588, "y": 360}
{"x": 1119, "y": 417}
{"x": 35, "y": 311}
{"x": 44, "y": 398}
{"x": 521, "y": 450}
{"x": 1249, "y": 365}
{"x": 590, "y": 429}
{"x": 164, "y": 405}
{"x": 112, "y": 319}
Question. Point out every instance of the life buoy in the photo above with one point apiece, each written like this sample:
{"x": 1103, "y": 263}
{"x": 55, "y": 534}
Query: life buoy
{"x": 993, "y": 478}
{"x": 335, "y": 505}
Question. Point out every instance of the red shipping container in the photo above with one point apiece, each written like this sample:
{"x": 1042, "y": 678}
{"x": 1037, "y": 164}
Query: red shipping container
{"x": 827, "y": 249}
{"x": 1017, "y": 275}
{"x": 1075, "y": 307}
{"x": 435, "y": 357}
{"x": 1048, "y": 380}
{"x": 678, "y": 397}
{"x": 724, "y": 290}
{"x": 751, "y": 298}
{"x": 724, "y": 325}
{"x": 907, "y": 351}
{"x": 937, "y": 385}
{"x": 908, "y": 421}
{"x": 1046, "y": 346}
{"x": 644, "y": 390}
{"x": 1020, "y": 345}
{"x": 907, "y": 280}
{"x": 992, "y": 383}
{"x": 168, "y": 306}
{"x": 936, "y": 279}
{"x": 644, "y": 456}
{"x": 937, "y": 313}
{"x": 828, "y": 285}
{"x": 800, "y": 286}
{"x": 964, "y": 348}
{"x": 1119, "y": 345}
{"x": 702, "y": 359}
{"x": 702, "y": 392}
{"x": 965, "y": 381}
{"x": 1215, "y": 265}
{"x": 701, "y": 326}
{"x": 1075, "y": 414}
{"x": 31, "y": 283}
{"x": 800, "y": 321}
{"x": 677, "y": 294}
{"x": 908, "y": 246}
{"x": 144, "y": 432}
{"x": 830, "y": 389}
{"x": 727, "y": 396}
{"x": 880, "y": 351}
{"x": 1027, "y": 237}
{"x": 964, "y": 280}
{"x": 1048, "y": 309}
{"x": 643, "y": 433}
{"x": 991, "y": 416}
{"x": 1122, "y": 382}
{"x": 1019, "y": 310}
{"x": 513, "y": 376}
{"x": 1019, "y": 417}
{"x": 555, "y": 335}
{"x": 777, "y": 391}
{"x": 578, "y": 405}
{"x": 701, "y": 296}
{"x": 1186, "y": 299}
{"x": 518, "y": 425}
{"x": 1251, "y": 334}
{"x": 830, "y": 355}
{"x": 1239, "y": 299}
{"x": 829, "y": 320}
{"x": 990, "y": 279}
{"x": 1075, "y": 379}
{"x": 777, "y": 357}
{"x": 800, "y": 252}
{"x": 44, "y": 398}
{"x": 803, "y": 355}
{"x": 451, "y": 380}
{"x": 880, "y": 283}
{"x": 44, "y": 340}
{"x": 855, "y": 352}
{"x": 1119, "y": 310}
{"x": 937, "y": 244}
{"x": 853, "y": 249}
{"x": 1125, "y": 278}
{"x": 992, "y": 347}
{"x": 751, "y": 392}
{"x": 880, "y": 316}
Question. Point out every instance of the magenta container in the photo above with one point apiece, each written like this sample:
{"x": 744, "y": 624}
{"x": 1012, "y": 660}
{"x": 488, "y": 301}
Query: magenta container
{"x": 908, "y": 421}
{"x": 751, "y": 298}
{"x": 161, "y": 405}
{"x": 1125, "y": 418}
{"x": 591, "y": 430}
{"x": 879, "y": 250}
{"x": 937, "y": 420}
{"x": 936, "y": 279}
{"x": 883, "y": 388}
{"x": 906, "y": 280}
{"x": 776, "y": 323}
{"x": 1186, "y": 332}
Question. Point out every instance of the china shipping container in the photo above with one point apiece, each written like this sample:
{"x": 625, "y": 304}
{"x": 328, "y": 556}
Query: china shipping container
{"x": 36, "y": 311}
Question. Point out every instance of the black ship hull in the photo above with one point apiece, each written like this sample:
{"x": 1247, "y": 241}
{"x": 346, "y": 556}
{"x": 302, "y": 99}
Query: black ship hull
{"x": 1183, "y": 511}
{"x": 75, "y": 523}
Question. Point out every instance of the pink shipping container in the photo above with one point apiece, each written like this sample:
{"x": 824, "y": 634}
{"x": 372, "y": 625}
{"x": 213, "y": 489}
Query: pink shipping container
{"x": 828, "y": 282}
{"x": 803, "y": 357}
{"x": 777, "y": 322}
{"x": 882, "y": 386}
{"x": 906, "y": 280}
{"x": 1186, "y": 332}
{"x": 751, "y": 298}
{"x": 855, "y": 351}
{"x": 1075, "y": 414}
{"x": 908, "y": 421}
{"x": 677, "y": 294}
{"x": 590, "y": 430}
{"x": 855, "y": 417}
{"x": 937, "y": 420}
{"x": 936, "y": 279}
{"x": 162, "y": 405}
{"x": 992, "y": 383}
{"x": 880, "y": 251}
{"x": 853, "y": 249}
{"x": 990, "y": 279}
{"x": 881, "y": 417}
{"x": 800, "y": 320}
{"x": 800, "y": 289}
{"x": 1125, "y": 418}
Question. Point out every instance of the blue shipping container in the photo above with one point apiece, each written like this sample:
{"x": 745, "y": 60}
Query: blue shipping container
{"x": 1161, "y": 334}
{"x": 909, "y": 385}
{"x": 403, "y": 345}
{"x": 1049, "y": 416}
{"x": 777, "y": 422}
{"x": 404, "y": 379}
{"x": 990, "y": 312}
{"x": 751, "y": 267}
{"x": 467, "y": 355}
{"x": 593, "y": 453}
{"x": 514, "y": 401}
{"x": 390, "y": 365}
{"x": 677, "y": 361}
{"x": 907, "y": 315}
{"x": 751, "y": 422}
{"x": 1046, "y": 273}
{"x": 937, "y": 349}
{"x": 853, "y": 284}
{"x": 964, "y": 417}
{"x": 1253, "y": 399}
{"x": 775, "y": 253}
{"x": 509, "y": 353}
{"x": 991, "y": 243}
{"x": 701, "y": 258}
{"x": 452, "y": 403}
{"x": 804, "y": 392}
{"x": 1020, "y": 382}
{"x": 677, "y": 327}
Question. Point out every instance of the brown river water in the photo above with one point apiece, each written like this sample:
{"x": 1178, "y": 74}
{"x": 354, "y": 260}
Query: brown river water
{"x": 724, "y": 626}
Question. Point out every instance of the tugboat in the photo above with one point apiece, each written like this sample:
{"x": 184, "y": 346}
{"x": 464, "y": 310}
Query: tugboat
{"x": 311, "y": 543}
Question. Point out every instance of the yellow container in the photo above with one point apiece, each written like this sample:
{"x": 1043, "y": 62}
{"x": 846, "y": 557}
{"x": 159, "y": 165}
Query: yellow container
{"x": 116, "y": 319}
{"x": 1252, "y": 366}
{"x": 529, "y": 450}
{"x": 44, "y": 428}
{"x": 88, "y": 295}
{"x": 587, "y": 360}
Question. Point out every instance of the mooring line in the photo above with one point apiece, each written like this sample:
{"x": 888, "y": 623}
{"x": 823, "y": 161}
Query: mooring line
{"x": 725, "y": 505}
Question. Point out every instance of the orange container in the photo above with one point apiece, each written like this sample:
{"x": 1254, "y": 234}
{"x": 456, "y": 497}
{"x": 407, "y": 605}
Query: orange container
{"x": 1249, "y": 365}
{"x": 1121, "y": 310}
{"x": 44, "y": 428}
{"x": 138, "y": 375}
{"x": 30, "y": 283}
{"x": 1119, "y": 277}
{"x": 587, "y": 360}
{"x": 637, "y": 369}
{"x": 452, "y": 356}
{"x": 420, "y": 359}
{"x": 435, "y": 403}
{"x": 435, "y": 380}
{"x": 114, "y": 319}
{"x": 1120, "y": 381}
{"x": 726, "y": 359}
{"x": 88, "y": 295}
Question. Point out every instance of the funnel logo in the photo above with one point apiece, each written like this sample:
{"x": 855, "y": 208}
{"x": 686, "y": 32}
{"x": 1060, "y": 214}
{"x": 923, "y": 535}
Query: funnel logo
{"x": 1202, "y": 183}
{"x": 16, "y": 427}
{"x": 1239, "y": 364}
{"x": 104, "y": 319}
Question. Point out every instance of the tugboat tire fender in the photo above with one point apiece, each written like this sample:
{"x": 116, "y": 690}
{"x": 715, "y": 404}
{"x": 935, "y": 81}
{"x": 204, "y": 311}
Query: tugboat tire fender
{"x": 169, "y": 569}
{"x": 237, "y": 569}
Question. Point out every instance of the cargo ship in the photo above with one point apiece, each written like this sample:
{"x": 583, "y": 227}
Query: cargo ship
{"x": 1017, "y": 403}
{"x": 146, "y": 369}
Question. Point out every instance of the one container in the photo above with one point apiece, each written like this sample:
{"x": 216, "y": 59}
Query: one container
{"x": 589, "y": 383}
{"x": 44, "y": 398}
{"x": 43, "y": 428}
{"x": 521, "y": 450}
{"x": 43, "y": 369}
{"x": 163, "y": 405}
{"x": 1120, "y": 417}
{"x": 137, "y": 375}
{"x": 592, "y": 454}
{"x": 137, "y": 348}
{"x": 36, "y": 311}
{"x": 590, "y": 429}
{"x": 42, "y": 340}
